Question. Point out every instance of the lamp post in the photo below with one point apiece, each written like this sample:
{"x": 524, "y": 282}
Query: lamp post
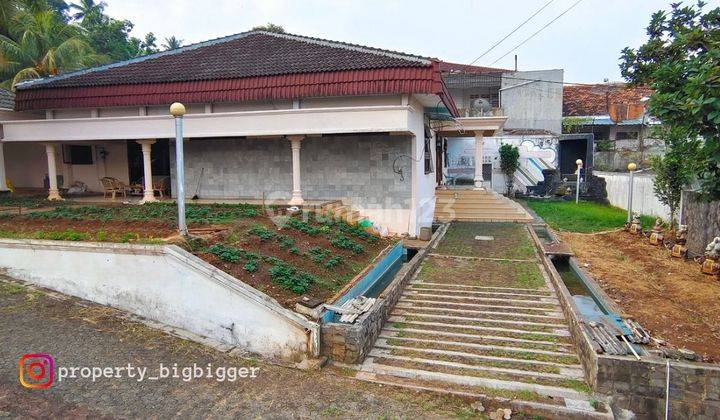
{"x": 579, "y": 164}
{"x": 177, "y": 110}
{"x": 631, "y": 167}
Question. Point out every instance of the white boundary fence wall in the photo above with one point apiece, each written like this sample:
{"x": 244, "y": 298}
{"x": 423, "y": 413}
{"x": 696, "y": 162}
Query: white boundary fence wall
{"x": 168, "y": 285}
{"x": 644, "y": 200}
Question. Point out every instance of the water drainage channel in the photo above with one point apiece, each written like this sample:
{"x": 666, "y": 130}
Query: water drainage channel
{"x": 589, "y": 302}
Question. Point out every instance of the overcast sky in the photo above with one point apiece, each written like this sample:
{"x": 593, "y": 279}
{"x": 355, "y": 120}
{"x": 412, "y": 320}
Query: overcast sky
{"x": 586, "y": 41}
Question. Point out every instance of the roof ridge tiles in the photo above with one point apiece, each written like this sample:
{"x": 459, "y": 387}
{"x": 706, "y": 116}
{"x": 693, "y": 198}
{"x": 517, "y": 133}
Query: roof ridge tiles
{"x": 229, "y": 38}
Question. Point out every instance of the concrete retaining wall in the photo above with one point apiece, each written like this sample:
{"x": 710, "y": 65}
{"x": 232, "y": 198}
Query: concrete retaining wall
{"x": 168, "y": 285}
{"x": 703, "y": 220}
{"x": 351, "y": 343}
{"x": 644, "y": 200}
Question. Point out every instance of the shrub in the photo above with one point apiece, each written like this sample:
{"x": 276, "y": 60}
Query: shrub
{"x": 343, "y": 242}
{"x": 301, "y": 226}
{"x": 290, "y": 278}
{"x": 225, "y": 253}
{"x": 262, "y": 232}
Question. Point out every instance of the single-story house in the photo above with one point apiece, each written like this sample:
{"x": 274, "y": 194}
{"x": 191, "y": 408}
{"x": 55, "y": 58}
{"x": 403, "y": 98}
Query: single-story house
{"x": 286, "y": 118}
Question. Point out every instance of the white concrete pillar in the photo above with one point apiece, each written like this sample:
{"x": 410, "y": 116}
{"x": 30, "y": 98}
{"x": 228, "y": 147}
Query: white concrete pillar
{"x": 148, "y": 194}
{"x": 3, "y": 185}
{"x": 53, "y": 192}
{"x": 296, "y": 199}
{"x": 479, "y": 143}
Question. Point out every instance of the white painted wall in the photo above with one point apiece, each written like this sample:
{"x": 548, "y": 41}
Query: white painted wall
{"x": 423, "y": 208}
{"x": 168, "y": 285}
{"x": 644, "y": 200}
{"x": 26, "y": 165}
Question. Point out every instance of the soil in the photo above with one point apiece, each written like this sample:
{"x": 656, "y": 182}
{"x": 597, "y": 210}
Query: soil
{"x": 114, "y": 230}
{"x": 329, "y": 282}
{"x": 669, "y": 297}
{"x": 234, "y": 233}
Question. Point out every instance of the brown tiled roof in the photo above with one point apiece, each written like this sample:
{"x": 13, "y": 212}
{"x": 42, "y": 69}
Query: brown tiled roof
{"x": 603, "y": 99}
{"x": 249, "y": 54}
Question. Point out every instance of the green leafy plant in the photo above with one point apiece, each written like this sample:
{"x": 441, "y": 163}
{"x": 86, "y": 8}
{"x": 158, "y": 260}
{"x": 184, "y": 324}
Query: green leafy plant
{"x": 333, "y": 261}
{"x": 675, "y": 169}
{"x": 262, "y": 232}
{"x": 225, "y": 253}
{"x": 681, "y": 63}
{"x": 509, "y": 163}
{"x": 286, "y": 242}
{"x": 252, "y": 266}
{"x": 343, "y": 242}
{"x": 291, "y": 278}
{"x": 302, "y": 226}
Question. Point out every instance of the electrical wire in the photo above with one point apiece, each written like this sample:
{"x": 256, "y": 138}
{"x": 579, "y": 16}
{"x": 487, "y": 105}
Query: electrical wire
{"x": 511, "y": 32}
{"x": 538, "y": 31}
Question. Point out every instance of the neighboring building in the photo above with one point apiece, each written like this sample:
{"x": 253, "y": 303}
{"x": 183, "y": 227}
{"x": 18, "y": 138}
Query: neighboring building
{"x": 615, "y": 114}
{"x": 532, "y": 103}
{"x": 285, "y": 118}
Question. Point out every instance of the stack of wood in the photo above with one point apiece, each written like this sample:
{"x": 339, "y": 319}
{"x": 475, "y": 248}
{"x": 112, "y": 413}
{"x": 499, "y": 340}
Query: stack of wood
{"x": 639, "y": 335}
{"x": 606, "y": 337}
{"x": 353, "y": 308}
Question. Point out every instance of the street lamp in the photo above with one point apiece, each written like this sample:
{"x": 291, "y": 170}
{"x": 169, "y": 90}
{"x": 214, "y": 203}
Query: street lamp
{"x": 579, "y": 164}
{"x": 631, "y": 167}
{"x": 177, "y": 110}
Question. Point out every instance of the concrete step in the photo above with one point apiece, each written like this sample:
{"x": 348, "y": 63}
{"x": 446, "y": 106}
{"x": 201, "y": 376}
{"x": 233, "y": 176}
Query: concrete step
{"x": 545, "y": 302}
{"x": 488, "y": 350}
{"x": 541, "y": 406}
{"x": 484, "y": 320}
{"x": 430, "y": 309}
{"x": 428, "y": 371}
{"x": 461, "y": 305}
{"x": 478, "y": 338}
{"x": 506, "y": 218}
{"x": 559, "y": 334}
{"x": 508, "y": 293}
{"x": 468, "y": 286}
{"x": 477, "y": 367}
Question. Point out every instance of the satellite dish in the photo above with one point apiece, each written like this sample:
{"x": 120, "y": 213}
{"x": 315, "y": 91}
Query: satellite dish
{"x": 479, "y": 107}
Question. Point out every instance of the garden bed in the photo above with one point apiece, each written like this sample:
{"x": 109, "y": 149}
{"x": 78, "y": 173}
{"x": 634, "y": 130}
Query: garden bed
{"x": 280, "y": 255}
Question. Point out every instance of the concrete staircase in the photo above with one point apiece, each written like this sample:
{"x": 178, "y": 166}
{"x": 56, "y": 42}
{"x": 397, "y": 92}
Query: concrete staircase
{"x": 505, "y": 346}
{"x": 340, "y": 211}
{"x": 477, "y": 205}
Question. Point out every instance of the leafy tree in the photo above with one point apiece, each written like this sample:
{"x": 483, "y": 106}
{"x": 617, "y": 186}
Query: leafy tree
{"x": 149, "y": 44}
{"x": 509, "y": 163}
{"x": 675, "y": 170}
{"x": 61, "y": 8}
{"x": 681, "y": 62}
{"x": 270, "y": 27}
{"x": 40, "y": 44}
{"x": 111, "y": 37}
{"x": 88, "y": 10}
{"x": 172, "y": 43}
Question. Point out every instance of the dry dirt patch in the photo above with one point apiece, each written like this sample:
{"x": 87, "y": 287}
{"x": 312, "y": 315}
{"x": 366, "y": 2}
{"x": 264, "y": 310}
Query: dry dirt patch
{"x": 669, "y": 297}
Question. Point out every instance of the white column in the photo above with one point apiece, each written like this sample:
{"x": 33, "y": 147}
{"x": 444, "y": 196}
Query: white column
{"x": 148, "y": 194}
{"x": 479, "y": 143}
{"x": 3, "y": 185}
{"x": 296, "y": 199}
{"x": 53, "y": 192}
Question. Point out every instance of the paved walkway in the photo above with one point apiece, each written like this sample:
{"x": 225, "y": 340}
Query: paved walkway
{"x": 481, "y": 318}
{"x": 76, "y": 333}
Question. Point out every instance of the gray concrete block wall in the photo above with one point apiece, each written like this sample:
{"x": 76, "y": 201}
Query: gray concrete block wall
{"x": 357, "y": 168}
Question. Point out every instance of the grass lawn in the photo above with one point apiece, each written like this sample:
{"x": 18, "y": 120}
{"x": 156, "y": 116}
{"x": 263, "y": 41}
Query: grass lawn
{"x": 511, "y": 240}
{"x": 585, "y": 217}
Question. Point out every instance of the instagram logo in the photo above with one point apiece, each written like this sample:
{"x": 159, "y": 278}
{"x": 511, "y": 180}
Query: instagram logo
{"x": 36, "y": 370}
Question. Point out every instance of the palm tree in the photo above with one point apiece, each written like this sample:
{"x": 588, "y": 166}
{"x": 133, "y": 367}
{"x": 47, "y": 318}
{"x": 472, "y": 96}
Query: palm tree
{"x": 40, "y": 44}
{"x": 172, "y": 43}
{"x": 88, "y": 9}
